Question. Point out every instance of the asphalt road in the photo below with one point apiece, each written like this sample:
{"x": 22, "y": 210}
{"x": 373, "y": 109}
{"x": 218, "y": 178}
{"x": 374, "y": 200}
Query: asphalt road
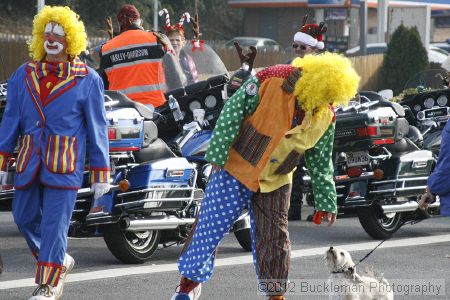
{"x": 418, "y": 256}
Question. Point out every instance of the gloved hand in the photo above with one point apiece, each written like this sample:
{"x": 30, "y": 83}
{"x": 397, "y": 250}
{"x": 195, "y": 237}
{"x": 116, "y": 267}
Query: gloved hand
{"x": 99, "y": 189}
{"x": 3, "y": 177}
{"x": 320, "y": 216}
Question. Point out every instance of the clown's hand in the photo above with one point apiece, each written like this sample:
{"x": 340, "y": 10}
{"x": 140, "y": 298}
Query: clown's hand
{"x": 99, "y": 189}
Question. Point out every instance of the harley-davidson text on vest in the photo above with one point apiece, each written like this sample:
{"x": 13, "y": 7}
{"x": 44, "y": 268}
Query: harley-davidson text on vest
{"x": 132, "y": 62}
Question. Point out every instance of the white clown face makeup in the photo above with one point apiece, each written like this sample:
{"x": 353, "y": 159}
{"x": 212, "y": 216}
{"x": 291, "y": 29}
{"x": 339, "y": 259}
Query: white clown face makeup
{"x": 55, "y": 42}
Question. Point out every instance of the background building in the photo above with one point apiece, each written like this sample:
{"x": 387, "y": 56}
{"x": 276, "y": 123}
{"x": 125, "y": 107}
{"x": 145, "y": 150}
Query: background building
{"x": 280, "y": 19}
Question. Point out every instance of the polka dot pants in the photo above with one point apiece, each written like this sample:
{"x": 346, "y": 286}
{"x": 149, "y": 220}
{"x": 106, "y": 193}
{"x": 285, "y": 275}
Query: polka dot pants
{"x": 223, "y": 203}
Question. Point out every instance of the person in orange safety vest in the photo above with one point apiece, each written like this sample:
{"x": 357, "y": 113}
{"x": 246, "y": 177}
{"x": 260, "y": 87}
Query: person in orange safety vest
{"x": 131, "y": 62}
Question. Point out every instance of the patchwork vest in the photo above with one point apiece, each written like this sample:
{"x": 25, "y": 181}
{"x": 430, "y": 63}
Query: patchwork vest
{"x": 262, "y": 131}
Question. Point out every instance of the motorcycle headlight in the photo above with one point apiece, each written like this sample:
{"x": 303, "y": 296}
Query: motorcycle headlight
{"x": 428, "y": 103}
{"x": 442, "y": 100}
{"x": 194, "y": 105}
{"x": 210, "y": 101}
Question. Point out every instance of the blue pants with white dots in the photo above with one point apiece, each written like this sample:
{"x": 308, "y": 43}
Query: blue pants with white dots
{"x": 223, "y": 203}
{"x": 225, "y": 197}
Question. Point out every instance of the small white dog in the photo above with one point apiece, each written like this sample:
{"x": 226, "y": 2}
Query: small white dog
{"x": 346, "y": 284}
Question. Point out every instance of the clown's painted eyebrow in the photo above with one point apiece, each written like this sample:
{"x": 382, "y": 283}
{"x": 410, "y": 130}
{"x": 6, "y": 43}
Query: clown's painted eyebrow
{"x": 55, "y": 28}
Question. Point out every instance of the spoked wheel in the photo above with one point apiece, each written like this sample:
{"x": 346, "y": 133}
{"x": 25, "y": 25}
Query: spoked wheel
{"x": 379, "y": 226}
{"x": 131, "y": 247}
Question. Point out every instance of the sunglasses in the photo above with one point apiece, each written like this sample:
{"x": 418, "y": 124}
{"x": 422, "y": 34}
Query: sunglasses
{"x": 302, "y": 47}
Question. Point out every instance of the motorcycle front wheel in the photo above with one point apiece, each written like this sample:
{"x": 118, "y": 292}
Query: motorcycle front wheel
{"x": 376, "y": 227}
{"x": 130, "y": 247}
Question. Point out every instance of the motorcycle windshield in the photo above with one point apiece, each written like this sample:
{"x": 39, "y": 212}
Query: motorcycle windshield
{"x": 204, "y": 61}
{"x": 429, "y": 79}
{"x": 192, "y": 65}
{"x": 175, "y": 78}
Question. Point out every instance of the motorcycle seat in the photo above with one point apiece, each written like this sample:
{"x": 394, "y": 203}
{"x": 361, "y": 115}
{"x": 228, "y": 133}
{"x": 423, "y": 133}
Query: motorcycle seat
{"x": 415, "y": 135}
{"x": 156, "y": 150}
{"x": 124, "y": 101}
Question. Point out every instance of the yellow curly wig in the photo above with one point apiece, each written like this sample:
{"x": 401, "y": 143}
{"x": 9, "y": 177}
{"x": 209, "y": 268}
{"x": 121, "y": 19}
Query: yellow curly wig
{"x": 69, "y": 20}
{"x": 326, "y": 79}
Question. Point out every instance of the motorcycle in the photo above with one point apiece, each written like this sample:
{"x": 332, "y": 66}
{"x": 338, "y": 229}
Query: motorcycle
{"x": 383, "y": 158}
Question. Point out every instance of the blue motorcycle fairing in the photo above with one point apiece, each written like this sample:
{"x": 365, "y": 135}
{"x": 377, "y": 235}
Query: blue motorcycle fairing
{"x": 161, "y": 172}
{"x": 196, "y": 146}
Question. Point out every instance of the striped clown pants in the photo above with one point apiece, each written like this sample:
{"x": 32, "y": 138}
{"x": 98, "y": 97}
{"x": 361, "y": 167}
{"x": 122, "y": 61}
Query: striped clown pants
{"x": 223, "y": 203}
{"x": 42, "y": 215}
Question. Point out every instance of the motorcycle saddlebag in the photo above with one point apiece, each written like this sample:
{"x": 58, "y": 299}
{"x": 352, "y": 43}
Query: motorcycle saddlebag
{"x": 125, "y": 129}
{"x": 162, "y": 172}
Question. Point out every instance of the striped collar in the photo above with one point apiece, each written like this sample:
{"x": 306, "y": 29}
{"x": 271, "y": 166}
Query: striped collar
{"x": 64, "y": 70}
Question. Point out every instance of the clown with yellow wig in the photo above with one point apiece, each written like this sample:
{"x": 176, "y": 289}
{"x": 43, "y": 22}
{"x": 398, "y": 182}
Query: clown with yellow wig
{"x": 282, "y": 113}
{"x": 54, "y": 103}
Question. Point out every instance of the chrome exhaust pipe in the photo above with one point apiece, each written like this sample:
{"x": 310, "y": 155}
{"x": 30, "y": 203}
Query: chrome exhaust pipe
{"x": 408, "y": 206}
{"x": 155, "y": 223}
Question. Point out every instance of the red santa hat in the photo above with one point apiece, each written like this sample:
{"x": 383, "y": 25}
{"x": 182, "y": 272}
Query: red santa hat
{"x": 311, "y": 34}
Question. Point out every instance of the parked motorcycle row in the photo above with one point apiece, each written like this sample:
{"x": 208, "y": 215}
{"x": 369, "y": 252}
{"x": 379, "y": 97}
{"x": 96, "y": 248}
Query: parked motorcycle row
{"x": 384, "y": 153}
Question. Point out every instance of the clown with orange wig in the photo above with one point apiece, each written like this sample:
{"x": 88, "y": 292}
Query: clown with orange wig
{"x": 54, "y": 103}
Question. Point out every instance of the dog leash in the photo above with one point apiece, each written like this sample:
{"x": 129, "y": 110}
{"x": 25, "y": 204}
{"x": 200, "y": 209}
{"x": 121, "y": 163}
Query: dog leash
{"x": 411, "y": 221}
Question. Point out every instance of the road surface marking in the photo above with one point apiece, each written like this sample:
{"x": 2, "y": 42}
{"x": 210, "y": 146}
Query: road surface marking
{"x": 230, "y": 261}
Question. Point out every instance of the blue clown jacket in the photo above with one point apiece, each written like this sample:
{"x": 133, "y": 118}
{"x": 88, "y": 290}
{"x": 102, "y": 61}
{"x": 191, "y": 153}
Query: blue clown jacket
{"x": 52, "y": 138}
{"x": 438, "y": 182}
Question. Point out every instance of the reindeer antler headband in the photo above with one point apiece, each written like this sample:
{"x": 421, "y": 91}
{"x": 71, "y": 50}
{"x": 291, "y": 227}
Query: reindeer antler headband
{"x": 311, "y": 34}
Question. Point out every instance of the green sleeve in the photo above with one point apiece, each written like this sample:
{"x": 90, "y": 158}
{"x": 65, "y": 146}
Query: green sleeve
{"x": 320, "y": 168}
{"x": 238, "y": 106}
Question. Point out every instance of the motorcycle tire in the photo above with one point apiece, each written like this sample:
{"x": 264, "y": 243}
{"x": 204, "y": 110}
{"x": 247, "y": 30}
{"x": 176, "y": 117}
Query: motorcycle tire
{"x": 244, "y": 239}
{"x": 130, "y": 247}
{"x": 377, "y": 228}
